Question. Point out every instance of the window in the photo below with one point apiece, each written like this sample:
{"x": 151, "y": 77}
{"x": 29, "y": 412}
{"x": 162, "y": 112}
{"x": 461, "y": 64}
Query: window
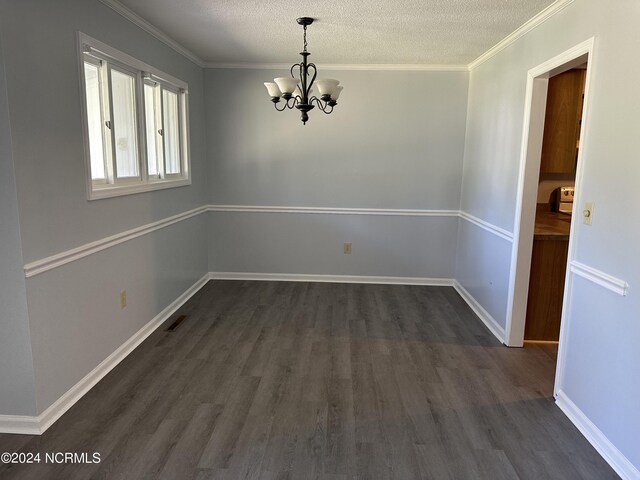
{"x": 136, "y": 123}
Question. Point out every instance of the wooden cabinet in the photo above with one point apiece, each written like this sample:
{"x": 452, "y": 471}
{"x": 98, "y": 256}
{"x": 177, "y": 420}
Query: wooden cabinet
{"x": 562, "y": 122}
{"x": 546, "y": 289}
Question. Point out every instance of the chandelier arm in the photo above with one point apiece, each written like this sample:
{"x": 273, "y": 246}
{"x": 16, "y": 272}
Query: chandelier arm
{"x": 317, "y": 101}
{"x": 289, "y": 103}
{"x": 299, "y": 65}
{"x": 304, "y": 73}
{"x": 324, "y": 106}
{"x": 292, "y": 67}
{"x": 327, "y": 111}
{"x": 313, "y": 79}
{"x": 284, "y": 106}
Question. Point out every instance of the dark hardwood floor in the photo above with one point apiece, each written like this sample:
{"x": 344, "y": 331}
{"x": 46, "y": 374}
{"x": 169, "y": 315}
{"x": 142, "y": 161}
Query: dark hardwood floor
{"x": 277, "y": 380}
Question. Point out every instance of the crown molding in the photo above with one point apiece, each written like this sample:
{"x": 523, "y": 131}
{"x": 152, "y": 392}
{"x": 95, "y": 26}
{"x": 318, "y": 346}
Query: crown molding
{"x": 525, "y": 28}
{"x": 408, "y": 67}
{"x": 152, "y": 30}
{"x": 541, "y": 17}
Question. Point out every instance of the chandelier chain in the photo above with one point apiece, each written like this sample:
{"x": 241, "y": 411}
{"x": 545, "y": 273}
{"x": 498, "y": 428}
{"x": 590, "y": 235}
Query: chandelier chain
{"x": 305, "y": 38}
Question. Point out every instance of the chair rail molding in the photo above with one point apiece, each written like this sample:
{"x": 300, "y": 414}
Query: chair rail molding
{"x": 48, "y": 263}
{"x": 43, "y": 265}
{"x": 489, "y": 227}
{"x": 600, "y": 278}
{"x": 333, "y": 210}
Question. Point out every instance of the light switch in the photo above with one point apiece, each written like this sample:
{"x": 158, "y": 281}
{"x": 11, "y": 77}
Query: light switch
{"x": 587, "y": 213}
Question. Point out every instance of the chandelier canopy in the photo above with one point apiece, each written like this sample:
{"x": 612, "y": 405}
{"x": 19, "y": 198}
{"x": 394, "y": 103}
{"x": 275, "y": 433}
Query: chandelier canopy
{"x": 296, "y": 91}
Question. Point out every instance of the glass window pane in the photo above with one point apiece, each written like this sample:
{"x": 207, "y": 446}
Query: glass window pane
{"x": 152, "y": 130}
{"x": 124, "y": 124}
{"x": 94, "y": 120}
{"x": 171, "y": 132}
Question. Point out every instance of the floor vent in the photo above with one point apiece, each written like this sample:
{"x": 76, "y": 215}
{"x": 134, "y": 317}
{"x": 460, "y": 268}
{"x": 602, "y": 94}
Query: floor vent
{"x": 176, "y": 323}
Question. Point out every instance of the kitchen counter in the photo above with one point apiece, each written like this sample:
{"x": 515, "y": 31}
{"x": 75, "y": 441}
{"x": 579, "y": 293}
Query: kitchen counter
{"x": 551, "y": 226}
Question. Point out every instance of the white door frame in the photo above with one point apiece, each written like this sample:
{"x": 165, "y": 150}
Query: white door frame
{"x": 533, "y": 127}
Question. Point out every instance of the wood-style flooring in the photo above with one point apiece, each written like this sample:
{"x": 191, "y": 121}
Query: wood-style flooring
{"x": 278, "y": 380}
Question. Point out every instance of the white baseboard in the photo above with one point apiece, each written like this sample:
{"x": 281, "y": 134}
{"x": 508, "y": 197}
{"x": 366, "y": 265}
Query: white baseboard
{"x": 490, "y": 322}
{"x": 486, "y": 318}
{"x": 600, "y": 442}
{"x": 20, "y": 424}
{"x": 299, "y": 277}
{"x": 37, "y": 425}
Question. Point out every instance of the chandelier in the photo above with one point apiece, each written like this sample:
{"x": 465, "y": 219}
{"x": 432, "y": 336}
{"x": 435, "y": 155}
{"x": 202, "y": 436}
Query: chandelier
{"x": 296, "y": 91}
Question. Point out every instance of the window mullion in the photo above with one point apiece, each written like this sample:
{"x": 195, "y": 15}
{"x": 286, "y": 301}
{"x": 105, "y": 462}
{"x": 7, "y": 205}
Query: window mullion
{"x": 142, "y": 133}
{"x": 110, "y": 139}
{"x": 184, "y": 133}
{"x": 162, "y": 166}
{"x": 182, "y": 140}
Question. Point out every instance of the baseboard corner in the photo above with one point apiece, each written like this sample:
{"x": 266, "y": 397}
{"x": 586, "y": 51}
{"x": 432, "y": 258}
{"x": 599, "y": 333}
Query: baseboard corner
{"x": 20, "y": 424}
{"x": 486, "y": 318}
{"x": 614, "y": 457}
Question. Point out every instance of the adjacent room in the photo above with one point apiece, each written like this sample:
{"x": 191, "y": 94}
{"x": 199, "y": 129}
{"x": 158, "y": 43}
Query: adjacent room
{"x": 319, "y": 240}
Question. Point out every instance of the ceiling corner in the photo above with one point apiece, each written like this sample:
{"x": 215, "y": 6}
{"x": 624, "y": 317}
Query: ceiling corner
{"x": 153, "y": 30}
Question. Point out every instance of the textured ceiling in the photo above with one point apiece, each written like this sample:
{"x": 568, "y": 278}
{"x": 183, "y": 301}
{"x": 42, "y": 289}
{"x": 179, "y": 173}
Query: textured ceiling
{"x": 453, "y": 32}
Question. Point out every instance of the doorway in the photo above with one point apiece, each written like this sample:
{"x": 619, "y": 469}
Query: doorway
{"x": 528, "y": 185}
{"x": 554, "y": 208}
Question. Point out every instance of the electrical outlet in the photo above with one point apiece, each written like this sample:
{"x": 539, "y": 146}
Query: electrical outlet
{"x": 587, "y": 213}
{"x": 123, "y": 299}
{"x": 347, "y": 248}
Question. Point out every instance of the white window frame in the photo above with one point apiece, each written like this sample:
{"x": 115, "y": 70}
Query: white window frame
{"x": 159, "y": 86}
{"x": 97, "y": 52}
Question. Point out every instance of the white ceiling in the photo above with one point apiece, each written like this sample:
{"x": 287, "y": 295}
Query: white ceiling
{"x": 427, "y": 32}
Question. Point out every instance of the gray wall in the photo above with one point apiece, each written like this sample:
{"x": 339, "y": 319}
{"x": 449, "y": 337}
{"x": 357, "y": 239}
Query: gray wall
{"x": 74, "y": 311}
{"x": 395, "y": 246}
{"x": 395, "y": 141}
{"x": 17, "y": 395}
{"x": 482, "y": 268}
{"x": 44, "y": 98}
{"x": 603, "y": 359}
